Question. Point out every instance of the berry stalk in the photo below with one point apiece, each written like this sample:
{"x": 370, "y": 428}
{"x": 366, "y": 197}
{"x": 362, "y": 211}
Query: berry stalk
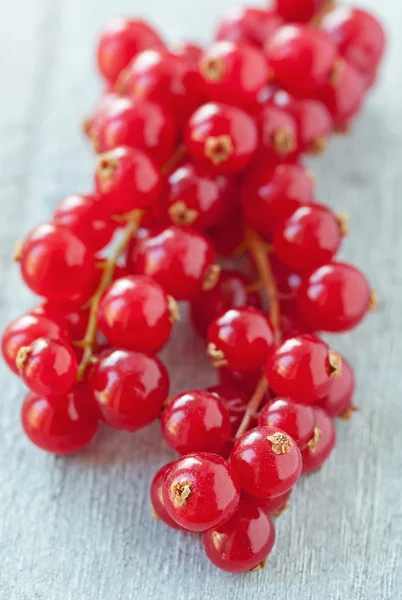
{"x": 253, "y": 406}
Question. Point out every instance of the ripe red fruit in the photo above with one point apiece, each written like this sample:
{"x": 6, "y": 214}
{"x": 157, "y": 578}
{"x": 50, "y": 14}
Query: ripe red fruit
{"x": 298, "y": 10}
{"x": 230, "y": 292}
{"x": 318, "y": 452}
{"x": 55, "y": 263}
{"x": 196, "y": 421}
{"x": 83, "y": 216}
{"x": 245, "y": 24}
{"x": 234, "y": 400}
{"x": 240, "y": 338}
{"x": 301, "y": 58}
{"x": 295, "y": 419}
{"x": 274, "y": 506}
{"x": 62, "y": 425}
{"x": 245, "y": 382}
{"x": 69, "y": 315}
{"x": 24, "y": 330}
{"x": 135, "y": 313}
{"x": 157, "y": 503}
{"x": 233, "y": 72}
{"x": 228, "y": 237}
{"x": 200, "y": 491}
{"x": 190, "y": 53}
{"x": 303, "y": 368}
{"x": 243, "y": 543}
{"x": 221, "y": 138}
{"x": 344, "y": 94}
{"x": 129, "y": 388}
{"x": 334, "y": 297}
{"x": 127, "y": 179}
{"x": 180, "y": 259}
{"x": 266, "y": 461}
{"x": 278, "y": 132}
{"x": 309, "y": 237}
{"x": 339, "y": 397}
{"x": 47, "y": 367}
{"x": 120, "y": 41}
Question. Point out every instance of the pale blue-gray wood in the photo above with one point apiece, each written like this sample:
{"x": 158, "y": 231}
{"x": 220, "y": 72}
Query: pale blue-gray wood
{"x": 80, "y": 528}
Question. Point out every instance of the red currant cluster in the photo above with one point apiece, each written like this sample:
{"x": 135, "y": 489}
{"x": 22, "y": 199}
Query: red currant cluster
{"x": 200, "y": 155}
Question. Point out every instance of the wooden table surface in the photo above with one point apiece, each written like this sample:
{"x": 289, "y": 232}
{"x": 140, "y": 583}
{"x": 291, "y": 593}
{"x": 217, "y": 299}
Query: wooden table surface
{"x": 80, "y": 528}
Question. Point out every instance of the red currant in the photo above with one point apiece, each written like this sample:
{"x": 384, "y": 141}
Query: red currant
{"x": 130, "y": 388}
{"x": 303, "y": 368}
{"x": 245, "y": 382}
{"x": 334, "y": 297}
{"x": 70, "y": 317}
{"x": 200, "y": 491}
{"x": 344, "y": 94}
{"x": 246, "y": 24}
{"x": 243, "y": 543}
{"x": 270, "y": 506}
{"x": 295, "y": 419}
{"x": 278, "y": 133}
{"x": 228, "y": 237}
{"x": 221, "y": 137}
{"x": 234, "y": 400}
{"x": 321, "y": 446}
{"x": 60, "y": 425}
{"x": 157, "y": 503}
{"x": 298, "y": 10}
{"x": 189, "y": 52}
{"x": 266, "y": 461}
{"x": 339, "y": 398}
{"x": 240, "y": 338}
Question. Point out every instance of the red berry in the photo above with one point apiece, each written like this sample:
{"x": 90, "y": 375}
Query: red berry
{"x": 287, "y": 280}
{"x": 358, "y": 35}
{"x": 130, "y": 388}
{"x": 298, "y": 10}
{"x": 127, "y": 179}
{"x": 230, "y": 292}
{"x": 292, "y": 323}
{"x": 24, "y": 330}
{"x": 343, "y": 95}
{"x": 295, "y": 419}
{"x": 196, "y": 421}
{"x": 47, "y": 367}
{"x": 199, "y": 199}
{"x": 157, "y": 503}
{"x": 93, "y": 126}
{"x": 221, "y": 137}
{"x": 245, "y": 382}
{"x": 270, "y": 506}
{"x": 271, "y": 195}
{"x": 303, "y": 368}
{"x": 228, "y": 237}
{"x": 61, "y": 425}
{"x": 245, "y": 24}
{"x": 309, "y": 237}
{"x": 180, "y": 259}
{"x": 334, "y": 297}
{"x": 189, "y": 52}
{"x": 278, "y": 133}
{"x": 243, "y": 543}
{"x": 234, "y": 401}
{"x": 120, "y": 41}
{"x": 233, "y": 72}
{"x": 70, "y": 317}
{"x": 339, "y": 397}
{"x": 266, "y": 461}
{"x": 200, "y": 491}
{"x": 55, "y": 263}
{"x": 240, "y": 338}
{"x": 301, "y": 58}
{"x": 82, "y": 215}
{"x": 136, "y": 314}
{"x": 322, "y": 444}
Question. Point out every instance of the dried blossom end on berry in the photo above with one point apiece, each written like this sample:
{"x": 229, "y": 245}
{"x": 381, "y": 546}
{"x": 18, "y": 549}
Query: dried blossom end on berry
{"x": 312, "y": 444}
{"x": 173, "y": 308}
{"x": 281, "y": 443}
{"x": 22, "y": 357}
{"x": 182, "y": 491}
{"x": 334, "y": 363}
{"x": 343, "y": 220}
{"x": 213, "y": 69}
{"x": 218, "y": 149}
{"x": 181, "y": 214}
{"x": 211, "y": 278}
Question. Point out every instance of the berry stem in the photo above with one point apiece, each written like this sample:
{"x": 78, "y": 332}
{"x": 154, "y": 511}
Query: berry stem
{"x": 88, "y": 342}
{"x": 258, "y": 251}
{"x": 253, "y": 406}
{"x": 320, "y": 14}
{"x": 174, "y": 160}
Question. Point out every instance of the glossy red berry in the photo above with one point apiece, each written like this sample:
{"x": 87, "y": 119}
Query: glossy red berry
{"x": 189, "y": 52}
{"x": 199, "y": 199}
{"x": 344, "y": 94}
{"x": 240, "y": 338}
{"x": 221, "y": 137}
{"x": 246, "y": 24}
{"x": 135, "y": 313}
{"x": 200, "y": 491}
{"x": 294, "y": 419}
{"x": 298, "y": 10}
{"x": 196, "y": 421}
{"x": 322, "y": 444}
{"x": 301, "y": 58}
{"x": 339, "y": 398}
{"x": 230, "y": 292}
{"x": 47, "y": 367}
{"x": 55, "y": 263}
{"x": 180, "y": 259}
{"x": 266, "y": 461}
{"x": 309, "y": 237}
{"x": 278, "y": 133}
{"x": 358, "y": 35}
{"x": 83, "y": 216}
{"x": 127, "y": 179}
{"x": 129, "y": 388}
{"x": 120, "y": 41}
{"x": 334, "y": 297}
{"x": 292, "y": 323}
{"x": 234, "y": 400}
{"x": 70, "y": 316}
{"x": 157, "y": 503}
{"x": 24, "y": 330}
{"x": 270, "y": 195}
{"x": 60, "y": 425}
{"x": 303, "y": 368}
{"x": 228, "y": 237}
{"x": 243, "y": 543}
{"x": 233, "y": 72}
{"x": 274, "y": 506}
{"x": 244, "y": 382}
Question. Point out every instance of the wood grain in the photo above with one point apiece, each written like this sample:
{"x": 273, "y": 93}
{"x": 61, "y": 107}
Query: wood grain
{"x": 80, "y": 528}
